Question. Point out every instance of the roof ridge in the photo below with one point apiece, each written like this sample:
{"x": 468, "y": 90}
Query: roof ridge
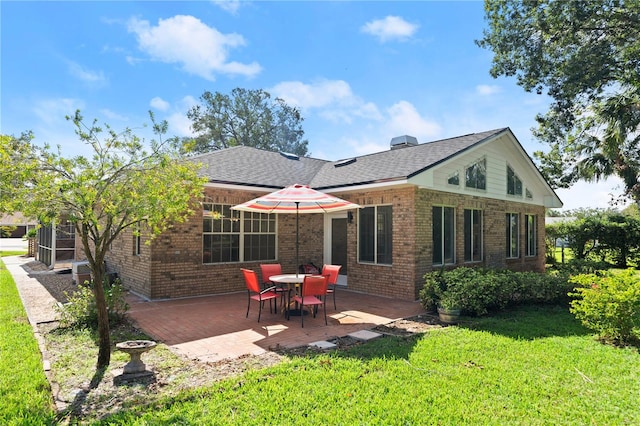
{"x": 489, "y": 132}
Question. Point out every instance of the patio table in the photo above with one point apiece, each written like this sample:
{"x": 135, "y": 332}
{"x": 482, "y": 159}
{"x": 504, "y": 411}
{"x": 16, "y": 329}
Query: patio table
{"x": 293, "y": 281}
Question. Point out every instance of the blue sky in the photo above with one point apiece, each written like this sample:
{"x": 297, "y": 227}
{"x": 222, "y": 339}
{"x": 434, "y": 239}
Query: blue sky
{"x": 360, "y": 72}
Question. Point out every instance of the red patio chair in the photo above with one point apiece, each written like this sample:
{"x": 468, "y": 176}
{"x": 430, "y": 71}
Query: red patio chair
{"x": 332, "y": 271}
{"x": 254, "y": 292}
{"x": 313, "y": 293}
{"x": 269, "y": 269}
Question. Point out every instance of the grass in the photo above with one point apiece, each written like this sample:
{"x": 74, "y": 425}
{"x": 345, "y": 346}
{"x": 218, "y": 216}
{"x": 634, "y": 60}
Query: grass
{"x": 529, "y": 366}
{"x": 568, "y": 255}
{"x": 24, "y": 390}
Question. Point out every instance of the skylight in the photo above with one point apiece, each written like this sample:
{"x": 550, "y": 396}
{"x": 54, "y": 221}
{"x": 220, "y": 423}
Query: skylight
{"x": 346, "y": 162}
{"x": 289, "y": 156}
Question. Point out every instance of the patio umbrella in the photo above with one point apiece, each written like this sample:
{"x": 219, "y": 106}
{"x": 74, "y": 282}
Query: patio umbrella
{"x": 296, "y": 199}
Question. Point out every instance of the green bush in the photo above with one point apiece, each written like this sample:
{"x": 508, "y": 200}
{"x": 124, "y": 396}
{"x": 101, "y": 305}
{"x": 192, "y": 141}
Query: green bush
{"x": 476, "y": 291}
{"x": 80, "y": 311}
{"x": 582, "y": 266}
{"x": 550, "y": 287}
{"x": 6, "y": 231}
{"x": 609, "y": 304}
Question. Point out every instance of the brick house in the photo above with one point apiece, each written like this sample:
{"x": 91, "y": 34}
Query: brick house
{"x": 473, "y": 200}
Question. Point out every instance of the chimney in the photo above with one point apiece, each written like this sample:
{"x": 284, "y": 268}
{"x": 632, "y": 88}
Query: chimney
{"x": 403, "y": 141}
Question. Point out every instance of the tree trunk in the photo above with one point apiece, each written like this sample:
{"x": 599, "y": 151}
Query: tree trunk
{"x": 104, "y": 338}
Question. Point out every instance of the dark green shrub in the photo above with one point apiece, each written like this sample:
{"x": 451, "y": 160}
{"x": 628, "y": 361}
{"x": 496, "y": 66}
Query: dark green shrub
{"x": 432, "y": 290}
{"x": 80, "y": 311}
{"x": 609, "y": 304}
{"x": 582, "y": 266}
{"x": 551, "y": 287}
{"x": 476, "y": 291}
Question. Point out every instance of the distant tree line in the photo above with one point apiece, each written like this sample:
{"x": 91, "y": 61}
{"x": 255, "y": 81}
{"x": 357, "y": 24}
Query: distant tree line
{"x": 599, "y": 235}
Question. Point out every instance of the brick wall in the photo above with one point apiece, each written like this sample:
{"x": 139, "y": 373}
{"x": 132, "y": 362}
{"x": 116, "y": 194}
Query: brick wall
{"x": 171, "y": 266}
{"x": 413, "y": 236}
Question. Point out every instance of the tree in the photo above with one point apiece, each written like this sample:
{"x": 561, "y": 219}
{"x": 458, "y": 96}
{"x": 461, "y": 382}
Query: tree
{"x": 121, "y": 186}
{"x": 586, "y": 55}
{"x": 247, "y": 117}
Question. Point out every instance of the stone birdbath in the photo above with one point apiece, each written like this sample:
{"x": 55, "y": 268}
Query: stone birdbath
{"x": 135, "y": 348}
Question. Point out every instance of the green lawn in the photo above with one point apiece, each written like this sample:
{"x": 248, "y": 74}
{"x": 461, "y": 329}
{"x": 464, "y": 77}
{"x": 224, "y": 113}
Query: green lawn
{"x": 25, "y": 396}
{"x": 568, "y": 255}
{"x": 528, "y": 366}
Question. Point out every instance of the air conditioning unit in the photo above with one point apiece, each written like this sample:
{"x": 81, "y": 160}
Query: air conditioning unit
{"x": 80, "y": 272}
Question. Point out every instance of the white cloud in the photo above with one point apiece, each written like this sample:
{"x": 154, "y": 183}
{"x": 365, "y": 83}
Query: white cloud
{"x": 317, "y": 95}
{"x": 53, "y": 111}
{"x": 334, "y": 99}
{"x": 86, "y": 75}
{"x": 111, "y": 115}
{"x": 200, "y": 49}
{"x": 404, "y": 119}
{"x": 230, "y": 6}
{"x": 390, "y": 28}
{"x": 159, "y": 104}
{"x": 365, "y": 144}
{"x": 179, "y": 124}
{"x": 487, "y": 90}
{"x": 590, "y": 194}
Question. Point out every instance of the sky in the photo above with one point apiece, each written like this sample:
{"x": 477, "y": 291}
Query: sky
{"x": 360, "y": 72}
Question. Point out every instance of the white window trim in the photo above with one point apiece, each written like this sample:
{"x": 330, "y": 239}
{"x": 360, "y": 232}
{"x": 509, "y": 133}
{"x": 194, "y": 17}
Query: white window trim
{"x": 455, "y": 233}
{"x": 481, "y": 235}
{"x": 241, "y": 234}
{"x": 520, "y": 196}
{"x": 517, "y": 256}
{"x": 535, "y": 234}
{"x": 464, "y": 174}
{"x": 375, "y": 238}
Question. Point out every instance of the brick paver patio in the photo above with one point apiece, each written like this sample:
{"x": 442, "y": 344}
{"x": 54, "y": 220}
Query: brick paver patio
{"x": 212, "y": 328}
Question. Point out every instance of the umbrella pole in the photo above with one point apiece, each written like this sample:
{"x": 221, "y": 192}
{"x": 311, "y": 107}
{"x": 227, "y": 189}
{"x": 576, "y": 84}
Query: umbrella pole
{"x": 297, "y": 242}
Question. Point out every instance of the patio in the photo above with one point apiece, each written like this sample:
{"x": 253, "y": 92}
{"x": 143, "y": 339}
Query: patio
{"x": 212, "y": 328}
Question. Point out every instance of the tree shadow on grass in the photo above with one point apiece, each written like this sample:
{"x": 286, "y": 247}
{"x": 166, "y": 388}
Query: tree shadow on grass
{"x": 530, "y": 322}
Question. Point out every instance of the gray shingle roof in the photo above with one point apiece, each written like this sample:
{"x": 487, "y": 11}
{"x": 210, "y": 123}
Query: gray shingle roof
{"x": 250, "y": 166}
{"x": 245, "y": 165}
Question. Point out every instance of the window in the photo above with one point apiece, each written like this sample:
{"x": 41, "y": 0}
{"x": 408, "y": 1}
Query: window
{"x": 375, "y": 242}
{"x": 513, "y": 237}
{"x": 259, "y": 236}
{"x": 472, "y": 235}
{"x": 530, "y": 223}
{"x": 137, "y": 245}
{"x": 233, "y": 236}
{"x": 443, "y": 235}
{"x": 514, "y": 184}
{"x": 528, "y": 193}
{"x": 454, "y": 179}
{"x": 476, "y": 175}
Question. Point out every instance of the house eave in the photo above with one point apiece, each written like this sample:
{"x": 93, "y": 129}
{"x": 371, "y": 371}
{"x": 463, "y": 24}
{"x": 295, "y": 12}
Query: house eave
{"x": 364, "y": 186}
{"x": 240, "y": 186}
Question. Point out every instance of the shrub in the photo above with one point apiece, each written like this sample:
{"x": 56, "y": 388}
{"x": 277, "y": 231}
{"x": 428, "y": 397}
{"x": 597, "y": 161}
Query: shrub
{"x": 80, "y": 311}
{"x": 582, "y": 266}
{"x": 476, "y": 291}
{"x": 609, "y": 304}
{"x": 6, "y": 231}
{"x": 551, "y": 287}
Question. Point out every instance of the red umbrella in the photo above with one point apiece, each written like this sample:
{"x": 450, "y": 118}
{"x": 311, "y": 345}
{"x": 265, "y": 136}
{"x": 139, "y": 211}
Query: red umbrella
{"x": 296, "y": 199}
